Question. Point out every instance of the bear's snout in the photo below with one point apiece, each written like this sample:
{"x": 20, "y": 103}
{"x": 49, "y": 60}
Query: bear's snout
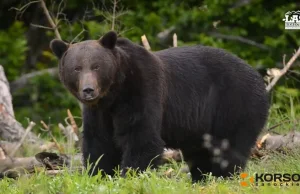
{"x": 88, "y": 92}
{"x": 88, "y": 88}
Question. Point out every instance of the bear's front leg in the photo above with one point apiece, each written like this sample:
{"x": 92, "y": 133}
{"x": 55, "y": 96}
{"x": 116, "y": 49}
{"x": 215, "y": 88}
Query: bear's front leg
{"x": 139, "y": 137}
{"x": 141, "y": 151}
{"x": 99, "y": 151}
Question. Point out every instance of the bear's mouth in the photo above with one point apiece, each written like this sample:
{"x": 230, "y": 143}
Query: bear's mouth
{"x": 90, "y": 100}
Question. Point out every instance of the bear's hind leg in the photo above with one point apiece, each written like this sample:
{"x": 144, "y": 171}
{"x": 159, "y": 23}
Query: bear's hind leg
{"x": 232, "y": 158}
{"x": 228, "y": 163}
{"x": 217, "y": 157}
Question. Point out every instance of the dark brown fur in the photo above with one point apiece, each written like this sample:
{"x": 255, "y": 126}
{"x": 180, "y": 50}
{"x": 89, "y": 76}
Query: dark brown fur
{"x": 192, "y": 98}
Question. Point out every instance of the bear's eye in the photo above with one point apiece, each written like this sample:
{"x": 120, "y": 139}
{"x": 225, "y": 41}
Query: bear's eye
{"x": 96, "y": 67}
{"x": 77, "y": 69}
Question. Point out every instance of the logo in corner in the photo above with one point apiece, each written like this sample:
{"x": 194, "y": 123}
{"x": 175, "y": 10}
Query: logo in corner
{"x": 292, "y": 20}
{"x": 246, "y": 180}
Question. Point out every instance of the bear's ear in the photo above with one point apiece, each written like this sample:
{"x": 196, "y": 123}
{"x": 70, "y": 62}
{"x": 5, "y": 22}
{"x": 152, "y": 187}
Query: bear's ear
{"x": 58, "y": 47}
{"x": 109, "y": 40}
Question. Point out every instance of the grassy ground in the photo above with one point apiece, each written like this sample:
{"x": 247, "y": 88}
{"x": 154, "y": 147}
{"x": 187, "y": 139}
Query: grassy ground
{"x": 152, "y": 182}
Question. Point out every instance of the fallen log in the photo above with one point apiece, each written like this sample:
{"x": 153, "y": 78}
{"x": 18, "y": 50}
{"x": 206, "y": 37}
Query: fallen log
{"x": 8, "y": 147}
{"x": 44, "y": 161}
{"x": 52, "y": 164}
{"x": 280, "y": 143}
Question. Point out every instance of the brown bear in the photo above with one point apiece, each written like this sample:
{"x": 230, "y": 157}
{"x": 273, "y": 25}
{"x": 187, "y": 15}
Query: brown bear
{"x": 202, "y": 100}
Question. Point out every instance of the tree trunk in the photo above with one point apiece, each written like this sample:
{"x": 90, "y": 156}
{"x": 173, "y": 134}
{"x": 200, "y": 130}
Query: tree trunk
{"x": 10, "y": 129}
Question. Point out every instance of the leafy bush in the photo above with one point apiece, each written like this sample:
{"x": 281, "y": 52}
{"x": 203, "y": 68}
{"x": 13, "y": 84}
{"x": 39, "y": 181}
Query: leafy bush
{"x": 13, "y": 47}
{"x": 253, "y": 31}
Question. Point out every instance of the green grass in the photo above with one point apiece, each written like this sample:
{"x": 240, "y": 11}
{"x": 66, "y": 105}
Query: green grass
{"x": 152, "y": 182}
{"x": 155, "y": 181}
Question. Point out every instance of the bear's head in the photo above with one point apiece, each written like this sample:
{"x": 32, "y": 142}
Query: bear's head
{"x": 88, "y": 68}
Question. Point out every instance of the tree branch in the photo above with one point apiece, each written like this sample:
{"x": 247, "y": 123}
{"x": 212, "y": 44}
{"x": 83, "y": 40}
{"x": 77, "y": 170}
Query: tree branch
{"x": 175, "y": 40}
{"x": 241, "y": 3}
{"x": 145, "y": 42}
{"x": 115, "y": 2}
{"x": 23, "y": 80}
{"x": 50, "y": 20}
{"x": 30, "y": 126}
{"x": 239, "y": 39}
{"x": 283, "y": 70}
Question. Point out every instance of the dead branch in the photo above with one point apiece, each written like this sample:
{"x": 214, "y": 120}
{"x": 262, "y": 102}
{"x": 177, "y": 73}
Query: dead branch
{"x": 239, "y": 39}
{"x": 61, "y": 7}
{"x": 72, "y": 132}
{"x": 256, "y": 153}
{"x": 8, "y": 148}
{"x": 216, "y": 23}
{"x": 47, "y": 146}
{"x": 241, "y": 3}
{"x": 175, "y": 40}
{"x": 68, "y": 132}
{"x": 24, "y": 8}
{"x": 73, "y": 123}
{"x": 52, "y": 164}
{"x": 171, "y": 154}
{"x": 43, "y": 161}
{"x": 2, "y": 154}
{"x": 54, "y": 26}
{"x": 145, "y": 42}
{"x": 115, "y": 2}
{"x": 12, "y": 163}
{"x": 79, "y": 34}
{"x": 40, "y": 26}
{"x": 31, "y": 125}
{"x": 50, "y": 20}
{"x": 47, "y": 129}
{"x": 290, "y": 140}
{"x": 163, "y": 35}
{"x": 283, "y": 71}
{"x": 24, "y": 79}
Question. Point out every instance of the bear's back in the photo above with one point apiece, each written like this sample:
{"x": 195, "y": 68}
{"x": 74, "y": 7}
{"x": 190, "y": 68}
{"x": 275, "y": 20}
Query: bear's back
{"x": 209, "y": 89}
{"x": 202, "y": 65}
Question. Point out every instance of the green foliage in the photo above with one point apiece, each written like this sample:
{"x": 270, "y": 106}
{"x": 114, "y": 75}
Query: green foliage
{"x": 13, "y": 47}
{"x": 46, "y": 99}
{"x": 194, "y": 22}
{"x": 287, "y": 100}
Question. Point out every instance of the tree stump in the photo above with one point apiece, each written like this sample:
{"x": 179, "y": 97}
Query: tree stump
{"x": 10, "y": 129}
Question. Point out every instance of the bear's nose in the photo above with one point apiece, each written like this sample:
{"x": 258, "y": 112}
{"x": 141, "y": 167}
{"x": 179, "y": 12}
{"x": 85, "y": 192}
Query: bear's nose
{"x": 88, "y": 90}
